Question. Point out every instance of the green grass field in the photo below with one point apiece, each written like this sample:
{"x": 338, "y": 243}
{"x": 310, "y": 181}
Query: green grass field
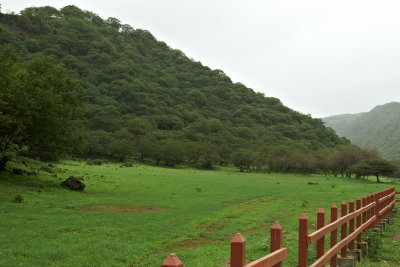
{"x": 154, "y": 211}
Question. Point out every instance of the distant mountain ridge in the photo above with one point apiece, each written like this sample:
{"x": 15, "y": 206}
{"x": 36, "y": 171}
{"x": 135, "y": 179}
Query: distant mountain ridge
{"x": 378, "y": 128}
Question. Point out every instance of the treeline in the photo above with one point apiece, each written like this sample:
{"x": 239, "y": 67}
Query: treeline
{"x": 346, "y": 161}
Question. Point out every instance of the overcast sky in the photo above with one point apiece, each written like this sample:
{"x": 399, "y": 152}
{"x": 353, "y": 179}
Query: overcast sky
{"x": 318, "y": 57}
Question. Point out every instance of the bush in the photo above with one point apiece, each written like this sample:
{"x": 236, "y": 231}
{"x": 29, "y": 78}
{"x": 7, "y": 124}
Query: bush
{"x": 47, "y": 168}
{"x": 18, "y": 198}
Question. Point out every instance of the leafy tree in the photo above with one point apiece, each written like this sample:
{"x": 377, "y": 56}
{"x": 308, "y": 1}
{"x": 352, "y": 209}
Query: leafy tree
{"x": 171, "y": 152}
{"x": 205, "y": 154}
{"x": 374, "y": 166}
{"x": 242, "y": 159}
{"x": 41, "y": 107}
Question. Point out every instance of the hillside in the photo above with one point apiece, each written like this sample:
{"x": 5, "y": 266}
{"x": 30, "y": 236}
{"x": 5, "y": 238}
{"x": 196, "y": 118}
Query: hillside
{"x": 378, "y": 128}
{"x": 149, "y": 101}
{"x": 340, "y": 122}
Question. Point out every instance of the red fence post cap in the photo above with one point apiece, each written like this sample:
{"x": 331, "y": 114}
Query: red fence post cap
{"x": 238, "y": 239}
{"x": 172, "y": 261}
{"x": 276, "y": 226}
{"x": 303, "y": 216}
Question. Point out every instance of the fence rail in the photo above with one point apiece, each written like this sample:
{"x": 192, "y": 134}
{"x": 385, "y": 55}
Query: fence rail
{"x": 355, "y": 218}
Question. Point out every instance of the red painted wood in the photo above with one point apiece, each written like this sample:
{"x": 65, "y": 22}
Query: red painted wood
{"x": 351, "y": 223}
{"x": 334, "y": 215}
{"x": 358, "y": 206}
{"x": 321, "y": 241}
{"x": 343, "y": 228}
{"x": 271, "y": 259}
{"x": 172, "y": 261}
{"x": 238, "y": 251}
{"x": 303, "y": 246}
{"x": 377, "y": 196}
{"x": 276, "y": 239}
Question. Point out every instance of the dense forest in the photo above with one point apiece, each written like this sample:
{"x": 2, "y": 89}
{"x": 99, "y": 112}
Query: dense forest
{"x": 377, "y": 129}
{"x": 144, "y": 100}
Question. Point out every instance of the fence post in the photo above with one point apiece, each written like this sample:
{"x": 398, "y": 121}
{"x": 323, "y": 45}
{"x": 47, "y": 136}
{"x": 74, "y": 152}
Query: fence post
{"x": 334, "y": 214}
{"x": 276, "y": 239}
{"x": 358, "y": 206}
{"x": 303, "y": 245}
{"x": 368, "y": 211}
{"x": 172, "y": 261}
{"x": 321, "y": 241}
{"x": 238, "y": 251}
{"x": 377, "y": 208}
{"x": 343, "y": 228}
{"x": 372, "y": 210}
{"x": 351, "y": 223}
{"x": 365, "y": 213}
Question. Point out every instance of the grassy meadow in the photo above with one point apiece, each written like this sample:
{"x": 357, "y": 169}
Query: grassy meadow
{"x": 137, "y": 216}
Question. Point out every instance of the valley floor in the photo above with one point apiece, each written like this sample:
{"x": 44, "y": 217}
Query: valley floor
{"x": 137, "y": 216}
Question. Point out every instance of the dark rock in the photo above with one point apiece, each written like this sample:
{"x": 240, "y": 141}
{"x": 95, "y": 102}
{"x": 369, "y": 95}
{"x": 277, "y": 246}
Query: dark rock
{"x": 127, "y": 164}
{"x": 73, "y": 183}
{"x": 94, "y": 162}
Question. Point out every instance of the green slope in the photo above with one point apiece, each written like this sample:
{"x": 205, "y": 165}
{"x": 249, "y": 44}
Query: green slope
{"x": 146, "y": 100}
{"x": 340, "y": 122}
{"x": 378, "y": 128}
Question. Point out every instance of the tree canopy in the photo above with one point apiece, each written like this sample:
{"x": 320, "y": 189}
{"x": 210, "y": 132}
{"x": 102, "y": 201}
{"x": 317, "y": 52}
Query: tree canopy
{"x": 41, "y": 107}
{"x": 373, "y": 166}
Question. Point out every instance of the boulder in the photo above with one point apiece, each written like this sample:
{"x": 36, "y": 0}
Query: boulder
{"x": 73, "y": 183}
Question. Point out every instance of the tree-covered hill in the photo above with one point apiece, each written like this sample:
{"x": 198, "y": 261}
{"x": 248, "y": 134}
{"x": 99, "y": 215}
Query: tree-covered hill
{"x": 378, "y": 128}
{"x": 148, "y": 101}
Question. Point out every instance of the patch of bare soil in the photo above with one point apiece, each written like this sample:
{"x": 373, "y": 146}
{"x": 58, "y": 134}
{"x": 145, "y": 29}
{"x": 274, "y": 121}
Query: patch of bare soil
{"x": 211, "y": 228}
{"x": 124, "y": 208}
{"x": 194, "y": 243}
{"x": 246, "y": 204}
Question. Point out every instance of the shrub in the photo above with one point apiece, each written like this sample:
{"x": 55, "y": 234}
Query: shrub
{"x": 18, "y": 198}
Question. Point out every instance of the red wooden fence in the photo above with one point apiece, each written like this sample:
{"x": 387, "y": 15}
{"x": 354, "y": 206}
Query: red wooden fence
{"x": 238, "y": 252}
{"x": 275, "y": 258}
{"x": 374, "y": 208}
{"x": 356, "y": 218}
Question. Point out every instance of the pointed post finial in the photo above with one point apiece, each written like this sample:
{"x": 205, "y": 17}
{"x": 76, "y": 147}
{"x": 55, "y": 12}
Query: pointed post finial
{"x": 172, "y": 261}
